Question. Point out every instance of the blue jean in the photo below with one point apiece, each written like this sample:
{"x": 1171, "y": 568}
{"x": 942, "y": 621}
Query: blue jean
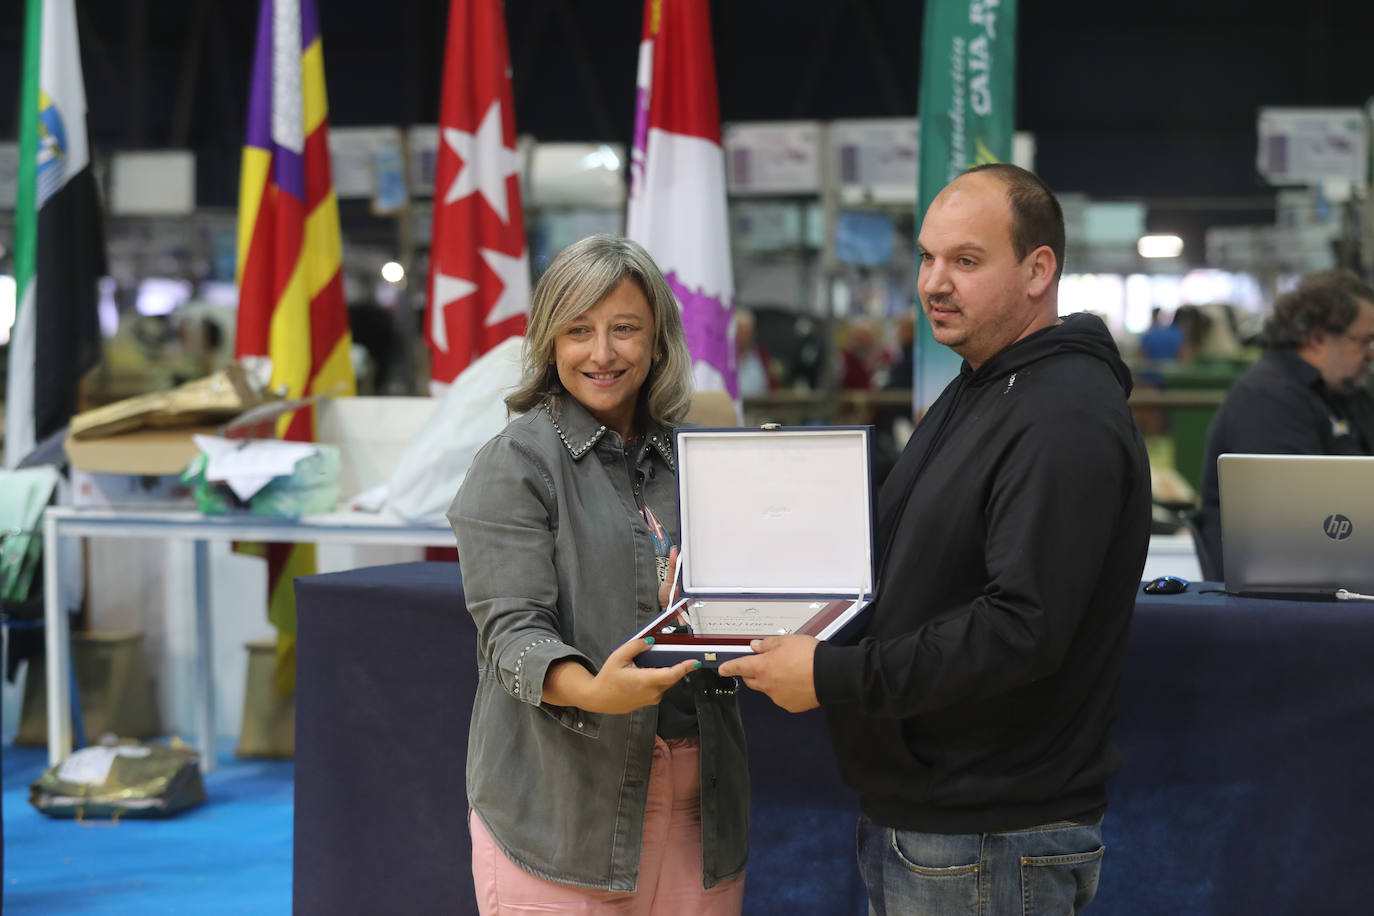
{"x": 1043, "y": 870}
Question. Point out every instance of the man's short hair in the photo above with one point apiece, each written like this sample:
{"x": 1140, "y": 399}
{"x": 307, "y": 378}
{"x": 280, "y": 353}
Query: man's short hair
{"x": 1036, "y": 217}
{"x": 1328, "y": 301}
{"x": 1341, "y": 279}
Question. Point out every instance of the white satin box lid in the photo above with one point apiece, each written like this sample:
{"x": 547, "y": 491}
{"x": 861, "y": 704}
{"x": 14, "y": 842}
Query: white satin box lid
{"x": 777, "y": 512}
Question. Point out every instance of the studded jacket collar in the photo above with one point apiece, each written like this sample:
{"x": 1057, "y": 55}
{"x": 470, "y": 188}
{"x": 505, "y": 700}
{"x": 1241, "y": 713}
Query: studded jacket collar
{"x": 580, "y": 431}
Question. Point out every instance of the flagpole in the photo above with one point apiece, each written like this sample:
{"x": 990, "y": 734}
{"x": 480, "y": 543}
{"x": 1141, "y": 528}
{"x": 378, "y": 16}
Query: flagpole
{"x": 830, "y": 273}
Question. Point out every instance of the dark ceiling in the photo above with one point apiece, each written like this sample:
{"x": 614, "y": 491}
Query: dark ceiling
{"x": 1153, "y": 101}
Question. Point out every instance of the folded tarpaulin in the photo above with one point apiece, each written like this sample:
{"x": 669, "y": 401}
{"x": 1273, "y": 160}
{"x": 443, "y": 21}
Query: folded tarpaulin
{"x": 128, "y": 779}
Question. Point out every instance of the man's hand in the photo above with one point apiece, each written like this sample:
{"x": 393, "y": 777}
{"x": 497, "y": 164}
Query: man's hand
{"x": 780, "y": 668}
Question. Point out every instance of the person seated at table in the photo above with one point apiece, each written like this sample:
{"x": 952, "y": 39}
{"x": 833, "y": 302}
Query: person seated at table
{"x": 861, "y": 356}
{"x": 754, "y": 362}
{"x": 1296, "y": 400}
{"x": 593, "y": 783}
{"x": 1357, "y": 398}
{"x": 1162, "y": 340}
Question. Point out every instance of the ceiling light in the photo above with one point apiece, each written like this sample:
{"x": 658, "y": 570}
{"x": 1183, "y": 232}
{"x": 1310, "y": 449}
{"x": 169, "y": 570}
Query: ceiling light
{"x": 393, "y": 272}
{"x": 1159, "y": 246}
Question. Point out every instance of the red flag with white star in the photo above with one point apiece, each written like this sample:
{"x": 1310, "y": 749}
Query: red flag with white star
{"x": 479, "y": 279}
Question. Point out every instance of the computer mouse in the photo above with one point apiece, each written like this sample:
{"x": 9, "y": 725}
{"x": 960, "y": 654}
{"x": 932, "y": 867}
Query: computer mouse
{"x": 1166, "y": 585}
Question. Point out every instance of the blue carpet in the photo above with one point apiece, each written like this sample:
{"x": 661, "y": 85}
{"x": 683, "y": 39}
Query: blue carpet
{"x": 231, "y": 854}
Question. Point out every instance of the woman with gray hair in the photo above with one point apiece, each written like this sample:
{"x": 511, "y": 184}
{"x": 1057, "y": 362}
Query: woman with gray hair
{"x": 593, "y": 784}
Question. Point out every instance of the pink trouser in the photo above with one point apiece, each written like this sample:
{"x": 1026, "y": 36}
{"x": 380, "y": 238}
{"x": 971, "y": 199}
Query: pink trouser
{"x": 669, "y": 863}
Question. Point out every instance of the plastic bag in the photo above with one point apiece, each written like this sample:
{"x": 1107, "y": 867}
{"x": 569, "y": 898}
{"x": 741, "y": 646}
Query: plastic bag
{"x": 430, "y": 470}
{"x": 128, "y": 779}
{"x": 310, "y": 489}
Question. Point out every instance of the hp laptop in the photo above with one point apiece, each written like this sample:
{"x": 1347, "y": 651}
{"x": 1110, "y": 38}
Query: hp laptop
{"x": 1297, "y": 526}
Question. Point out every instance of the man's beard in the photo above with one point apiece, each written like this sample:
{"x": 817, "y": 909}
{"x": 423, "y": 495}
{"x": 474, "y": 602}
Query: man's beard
{"x": 1352, "y": 385}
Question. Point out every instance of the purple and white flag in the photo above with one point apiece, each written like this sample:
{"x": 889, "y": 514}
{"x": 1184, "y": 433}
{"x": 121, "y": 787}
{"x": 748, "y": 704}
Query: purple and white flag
{"x": 677, "y": 183}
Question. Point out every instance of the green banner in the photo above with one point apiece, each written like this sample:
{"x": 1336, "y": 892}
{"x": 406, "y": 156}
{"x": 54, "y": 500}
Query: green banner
{"x": 967, "y": 116}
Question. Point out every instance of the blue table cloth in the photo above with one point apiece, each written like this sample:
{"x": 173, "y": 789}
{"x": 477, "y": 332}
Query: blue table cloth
{"x": 1243, "y": 728}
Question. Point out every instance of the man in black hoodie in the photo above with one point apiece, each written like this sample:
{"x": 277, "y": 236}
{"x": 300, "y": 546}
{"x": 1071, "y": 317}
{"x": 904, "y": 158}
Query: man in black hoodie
{"x": 973, "y": 716}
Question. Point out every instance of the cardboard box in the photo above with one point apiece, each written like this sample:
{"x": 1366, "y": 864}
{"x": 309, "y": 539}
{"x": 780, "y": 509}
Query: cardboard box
{"x": 151, "y": 434}
{"x": 269, "y": 720}
{"x": 213, "y": 399}
{"x": 123, "y": 491}
{"x": 149, "y": 451}
{"x": 777, "y": 537}
{"x": 370, "y": 432}
{"x": 117, "y": 693}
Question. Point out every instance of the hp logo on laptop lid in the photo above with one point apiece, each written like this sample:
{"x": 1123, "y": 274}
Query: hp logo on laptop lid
{"x": 1297, "y": 524}
{"x": 1337, "y": 527}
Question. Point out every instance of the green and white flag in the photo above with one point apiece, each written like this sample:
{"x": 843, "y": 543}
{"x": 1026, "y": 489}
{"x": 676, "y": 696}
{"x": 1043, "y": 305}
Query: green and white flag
{"x": 59, "y": 251}
{"x": 967, "y": 114}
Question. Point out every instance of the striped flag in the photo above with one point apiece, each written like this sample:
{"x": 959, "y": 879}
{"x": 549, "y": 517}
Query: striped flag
{"x": 59, "y": 251}
{"x": 677, "y": 182}
{"x": 291, "y": 299}
{"x": 479, "y": 274}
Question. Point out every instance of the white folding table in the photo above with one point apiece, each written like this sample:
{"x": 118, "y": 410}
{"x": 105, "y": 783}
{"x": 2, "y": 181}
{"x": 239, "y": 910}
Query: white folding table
{"x": 60, "y": 522}
{"x": 345, "y": 528}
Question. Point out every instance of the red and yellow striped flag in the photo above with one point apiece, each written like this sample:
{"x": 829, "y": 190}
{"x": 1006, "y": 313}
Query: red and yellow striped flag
{"x": 291, "y": 299}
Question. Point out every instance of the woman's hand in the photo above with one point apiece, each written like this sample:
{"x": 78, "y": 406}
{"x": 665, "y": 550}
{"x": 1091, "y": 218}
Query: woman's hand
{"x": 620, "y": 686}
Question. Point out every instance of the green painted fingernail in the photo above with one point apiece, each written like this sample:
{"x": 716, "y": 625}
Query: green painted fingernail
{"x": 696, "y": 665}
{"x": 649, "y": 640}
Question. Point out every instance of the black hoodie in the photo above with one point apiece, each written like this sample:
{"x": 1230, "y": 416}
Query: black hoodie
{"x": 1011, "y": 536}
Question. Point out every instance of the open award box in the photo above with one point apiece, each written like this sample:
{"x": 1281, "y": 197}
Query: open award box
{"x": 776, "y": 537}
